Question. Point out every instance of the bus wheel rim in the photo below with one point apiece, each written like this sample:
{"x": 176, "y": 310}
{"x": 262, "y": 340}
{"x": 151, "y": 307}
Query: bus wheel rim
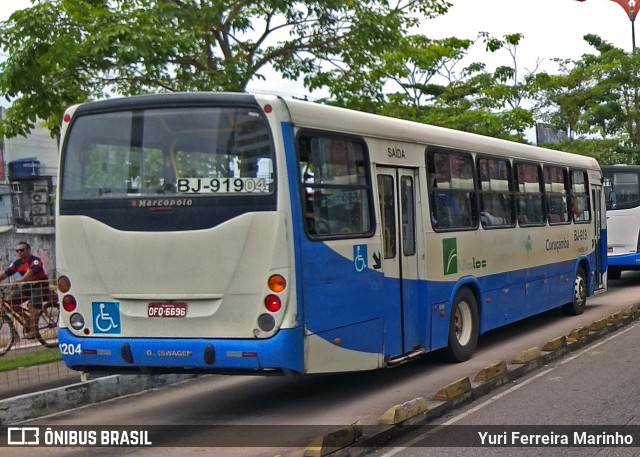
{"x": 580, "y": 291}
{"x": 463, "y": 323}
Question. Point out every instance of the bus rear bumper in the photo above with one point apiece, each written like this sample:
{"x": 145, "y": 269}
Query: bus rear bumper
{"x": 625, "y": 261}
{"x": 281, "y": 353}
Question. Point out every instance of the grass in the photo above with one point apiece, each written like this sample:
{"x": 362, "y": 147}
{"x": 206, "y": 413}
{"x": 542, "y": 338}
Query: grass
{"x": 10, "y": 362}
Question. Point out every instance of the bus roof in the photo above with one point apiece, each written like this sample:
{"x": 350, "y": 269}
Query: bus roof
{"x": 317, "y": 116}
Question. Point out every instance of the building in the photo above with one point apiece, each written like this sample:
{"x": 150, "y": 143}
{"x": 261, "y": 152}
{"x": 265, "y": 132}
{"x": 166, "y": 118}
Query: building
{"x": 28, "y": 170}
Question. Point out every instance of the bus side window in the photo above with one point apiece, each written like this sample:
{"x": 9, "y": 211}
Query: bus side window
{"x": 386, "y": 197}
{"x": 496, "y": 195}
{"x": 530, "y": 204}
{"x": 336, "y": 196}
{"x": 452, "y": 194}
{"x": 556, "y": 190}
{"x": 580, "y": 201}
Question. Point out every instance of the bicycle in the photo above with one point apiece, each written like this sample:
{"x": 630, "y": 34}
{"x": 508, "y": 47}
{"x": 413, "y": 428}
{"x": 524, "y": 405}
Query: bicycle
{"x": 11, "y": 315}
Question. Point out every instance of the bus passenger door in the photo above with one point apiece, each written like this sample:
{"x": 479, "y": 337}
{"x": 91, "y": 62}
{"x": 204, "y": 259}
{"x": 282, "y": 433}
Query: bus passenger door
{"x": 599, "y": 250}
{"x": 399, "y": 224}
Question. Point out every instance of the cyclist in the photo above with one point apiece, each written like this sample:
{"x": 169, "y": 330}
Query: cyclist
{"x": 32, "y": 285}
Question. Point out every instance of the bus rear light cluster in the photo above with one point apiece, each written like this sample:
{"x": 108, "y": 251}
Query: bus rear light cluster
{"x": 277, "y": 284}
{"x": 272, "y": 302}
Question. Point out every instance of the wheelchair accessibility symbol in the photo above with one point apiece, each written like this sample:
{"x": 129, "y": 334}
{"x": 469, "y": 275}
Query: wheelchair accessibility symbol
{"x": 106, "y": 317}
{"x": 360, "y": 257}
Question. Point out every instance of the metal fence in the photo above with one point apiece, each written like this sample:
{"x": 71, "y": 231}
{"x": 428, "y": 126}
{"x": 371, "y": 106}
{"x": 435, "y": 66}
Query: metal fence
{"x": 30, "y": 360}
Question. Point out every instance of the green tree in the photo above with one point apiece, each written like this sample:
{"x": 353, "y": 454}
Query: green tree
{"x": 408, "y": 68}
{"x": 614, "y": 111}
{"x": 561, "y": 97}
{"x": 597, "y": 96}
{"x": 69, "y": 51}
{"x": 487, "y": 103}
{"x": 418, "y": 80}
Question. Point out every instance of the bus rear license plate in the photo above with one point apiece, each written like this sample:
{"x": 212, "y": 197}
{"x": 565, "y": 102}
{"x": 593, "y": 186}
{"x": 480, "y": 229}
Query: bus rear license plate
{"x": 167, "y": 310}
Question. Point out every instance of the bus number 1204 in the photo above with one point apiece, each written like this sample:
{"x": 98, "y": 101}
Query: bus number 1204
{"x": 70, "y": 349}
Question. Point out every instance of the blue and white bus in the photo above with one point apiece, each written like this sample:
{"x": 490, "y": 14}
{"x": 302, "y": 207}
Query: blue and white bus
{"x": 218, "y": 232}
{"x": 622, "y": 193}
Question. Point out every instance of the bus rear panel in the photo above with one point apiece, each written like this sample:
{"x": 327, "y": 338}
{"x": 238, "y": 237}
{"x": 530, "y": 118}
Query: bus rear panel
{"x": 622, "y": 194}
{"x": 170, "y": 237}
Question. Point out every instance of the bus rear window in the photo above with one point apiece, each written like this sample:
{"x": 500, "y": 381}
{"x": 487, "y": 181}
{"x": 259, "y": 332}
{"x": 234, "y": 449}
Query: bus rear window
{"x": 621, "y": 189}
{"x": 165, "y": 152}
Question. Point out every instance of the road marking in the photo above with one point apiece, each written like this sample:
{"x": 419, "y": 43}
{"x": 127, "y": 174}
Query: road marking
{"x": 493, "y": 399}
{"x": 583, "y": 351}
{"x": 591, "y": 347}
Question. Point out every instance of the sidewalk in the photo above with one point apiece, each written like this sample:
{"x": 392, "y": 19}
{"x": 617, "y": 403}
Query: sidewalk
{"x": 36, "y": 379}
{"x": 51, "y": 388}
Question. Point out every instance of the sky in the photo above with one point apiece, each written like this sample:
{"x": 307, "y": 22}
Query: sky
{"x": 551, "y": 28}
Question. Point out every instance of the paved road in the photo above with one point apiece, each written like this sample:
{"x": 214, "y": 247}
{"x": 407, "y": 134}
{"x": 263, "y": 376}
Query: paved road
{"x": 597, "y": 386}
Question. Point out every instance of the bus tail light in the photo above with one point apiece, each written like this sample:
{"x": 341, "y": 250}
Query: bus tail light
{"x": 277, "y": 283}
{"x": 69, "y": 303}
{"x": 64, "y": 284}
{"x": 266, "y": 322}
{"x": 77, "y": 321}
{"x": 272, "y": 303}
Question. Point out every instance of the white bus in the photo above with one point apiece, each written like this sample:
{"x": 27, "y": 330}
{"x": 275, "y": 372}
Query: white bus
{"x": 217, "y": 232}
{"x": 622, "y": 192}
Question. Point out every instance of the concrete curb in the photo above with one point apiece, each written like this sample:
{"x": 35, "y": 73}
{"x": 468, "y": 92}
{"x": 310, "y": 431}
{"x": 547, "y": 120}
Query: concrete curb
{"x": 31, "y": 406}
{"x": 400, "y": 413}
{"x": 488, "y": 379}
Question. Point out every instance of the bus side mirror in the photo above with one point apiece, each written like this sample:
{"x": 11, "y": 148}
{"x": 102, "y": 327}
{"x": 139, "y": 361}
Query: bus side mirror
{"x": 613, "y": 199}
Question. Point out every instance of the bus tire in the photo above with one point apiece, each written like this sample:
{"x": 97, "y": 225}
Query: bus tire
{"x": 579, "y": 303}
{"x": 463, "y": 327}
{"x": 614, "y": 273}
